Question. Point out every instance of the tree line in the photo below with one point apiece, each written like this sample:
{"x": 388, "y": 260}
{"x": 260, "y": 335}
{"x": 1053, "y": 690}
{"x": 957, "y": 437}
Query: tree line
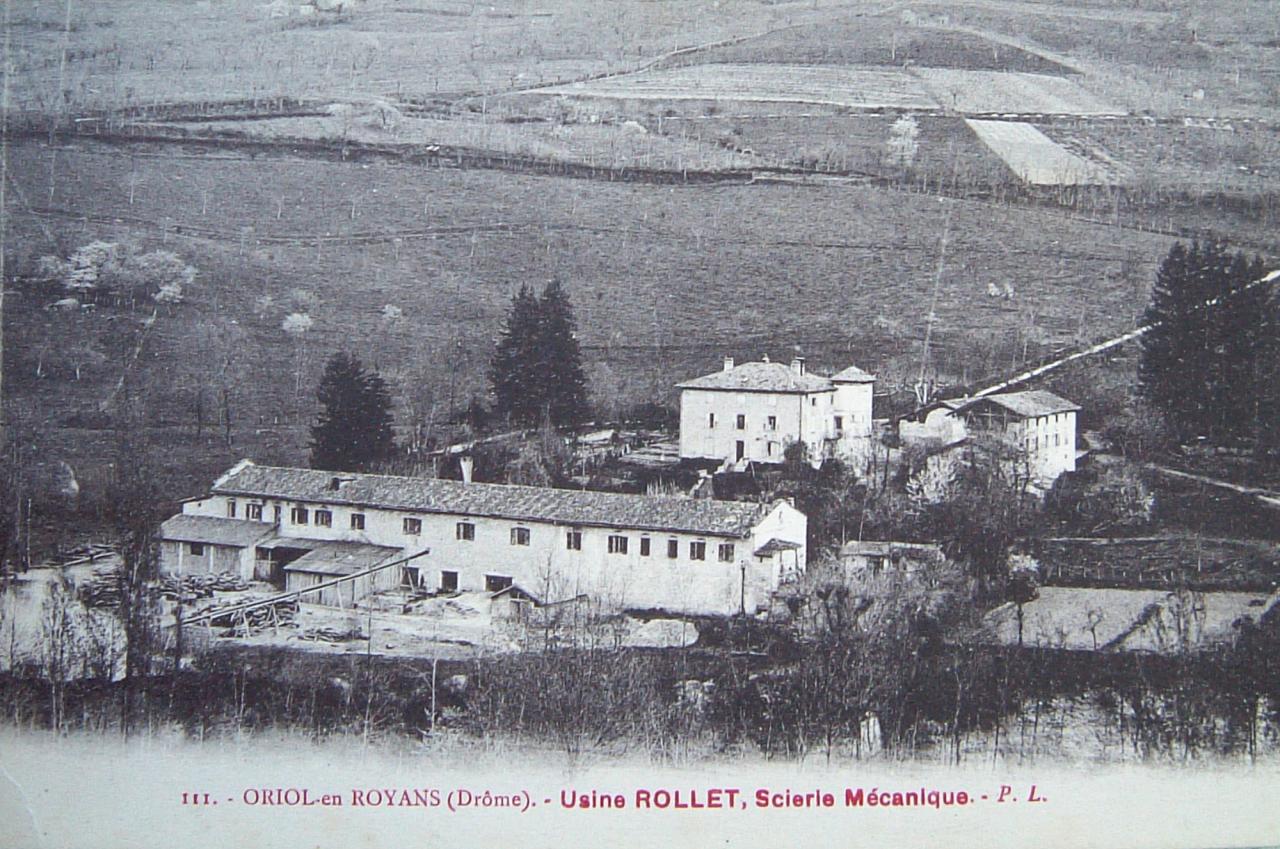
{"x": 535, "y": 374}
{"x": 1211, "y": 362}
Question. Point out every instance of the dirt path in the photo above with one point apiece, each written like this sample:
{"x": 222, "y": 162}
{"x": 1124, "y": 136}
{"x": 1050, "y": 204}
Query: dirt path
{"x": 1266, "y": 496}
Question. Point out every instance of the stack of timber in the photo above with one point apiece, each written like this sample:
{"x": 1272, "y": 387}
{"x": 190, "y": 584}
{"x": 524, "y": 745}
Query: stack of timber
{"x": 243, "y": 623}
{"x": 87, "y": 553}
{"x": 192, "y": 587}
{"x": 105, "y": 588}
{"x": 331, "y": 635}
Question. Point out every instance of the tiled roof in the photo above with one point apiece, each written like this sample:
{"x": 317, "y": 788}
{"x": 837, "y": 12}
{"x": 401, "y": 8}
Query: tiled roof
{"x": 341, "y": 558}
{"x": 1031, "y": 403}
{"x": 853, "y": 374}
{"x": 522, "y": 503}
{"x": 214, "y": 531}
{"x": 775, "y": 545}
{"x": 761, "y": 377}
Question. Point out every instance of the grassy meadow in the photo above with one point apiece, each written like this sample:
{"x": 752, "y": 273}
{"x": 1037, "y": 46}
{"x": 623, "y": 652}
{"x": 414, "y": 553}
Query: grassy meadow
{"x": 664, "y": 279}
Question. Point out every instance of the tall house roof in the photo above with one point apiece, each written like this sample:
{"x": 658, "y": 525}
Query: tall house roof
{"x": 213, "y": 530}
{"x": 853, "y": 374}
{"x": 519, "y": 503}
{"x": 773, "y": 377}
{"x": 1028, "y": 404}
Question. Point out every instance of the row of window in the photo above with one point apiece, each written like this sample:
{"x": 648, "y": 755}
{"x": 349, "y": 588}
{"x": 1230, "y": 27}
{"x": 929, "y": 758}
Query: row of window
{"x": 492, "y": 583}
{"x": 619, "y": 544}
{"x": 466, "y": 531}
{"x": 297, "y": 515}
{"x": 1033, "y": 443}
{"x": 323, "y": 518}
{"x": 770, "y": 422}
{"x": 740, "y": 423}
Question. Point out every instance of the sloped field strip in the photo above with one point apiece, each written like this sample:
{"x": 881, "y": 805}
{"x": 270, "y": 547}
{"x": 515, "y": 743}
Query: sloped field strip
{"x": 827, "y": 85}
{"x": 995, "y": 92}
{"x": 1036, "y": 158}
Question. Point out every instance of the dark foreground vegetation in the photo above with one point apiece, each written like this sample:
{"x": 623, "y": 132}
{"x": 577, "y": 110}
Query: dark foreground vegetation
{"x": 899, "y": 689}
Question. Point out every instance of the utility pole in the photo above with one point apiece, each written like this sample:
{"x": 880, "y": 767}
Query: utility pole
{"x": 922, "y": 389}
{"x": 4, "y": 213}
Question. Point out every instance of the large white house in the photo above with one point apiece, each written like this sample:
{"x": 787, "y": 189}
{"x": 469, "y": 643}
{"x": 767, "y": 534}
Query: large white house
{"x": 1040, "y": 423}
{"x": 751, "y": 412}
{"x": 299, "y": 527}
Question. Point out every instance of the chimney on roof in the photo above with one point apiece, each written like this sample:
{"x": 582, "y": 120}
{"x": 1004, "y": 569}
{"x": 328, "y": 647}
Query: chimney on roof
{"x": 728, "y": 363}
{"x": 468, "y": 464}
{"x": 797, "y": 365}
{"x": 764, "y": 358}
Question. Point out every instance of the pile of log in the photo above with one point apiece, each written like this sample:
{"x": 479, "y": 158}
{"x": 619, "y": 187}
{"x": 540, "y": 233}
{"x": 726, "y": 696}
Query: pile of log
{"x": 104, "y": 588}
{"x": 87, "y": 553}
{"x": 248, "y": 622}
{"x": 192, "y": 587}
{"x": 331, "y": 635}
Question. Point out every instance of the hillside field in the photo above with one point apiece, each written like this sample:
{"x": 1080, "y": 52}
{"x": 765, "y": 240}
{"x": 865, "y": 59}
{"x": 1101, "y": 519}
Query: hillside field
{"x": 665, "y": 280}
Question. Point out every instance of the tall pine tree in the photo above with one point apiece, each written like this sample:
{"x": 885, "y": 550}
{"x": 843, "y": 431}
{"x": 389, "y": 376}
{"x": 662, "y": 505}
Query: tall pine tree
{"x": 536, "y": 371}
{"x": 354, "y": 427}
{"x": 565, "y": 399}
{"x": 513, "y": 370}
{"x": 1200, "y": 362}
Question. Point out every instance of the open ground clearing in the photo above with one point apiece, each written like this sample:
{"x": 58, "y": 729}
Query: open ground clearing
{"x": 1035, "y": 157}
{"x": 884, "y": 40}
{"x": 825, "y": 85}
{"x": 987, "y": 92}
{"x": 126, "y": 52}
{"x": 613, "y": 145}
{"x": 1229, "y": 157}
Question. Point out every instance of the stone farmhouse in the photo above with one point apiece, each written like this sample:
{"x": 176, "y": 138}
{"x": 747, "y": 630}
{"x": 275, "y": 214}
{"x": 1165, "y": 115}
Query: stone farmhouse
{"x": 863, "y": 559}
{"x": 749, "y": 413}
{"x": 1036, "y": 421}
{"x": 301, "y": 527}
